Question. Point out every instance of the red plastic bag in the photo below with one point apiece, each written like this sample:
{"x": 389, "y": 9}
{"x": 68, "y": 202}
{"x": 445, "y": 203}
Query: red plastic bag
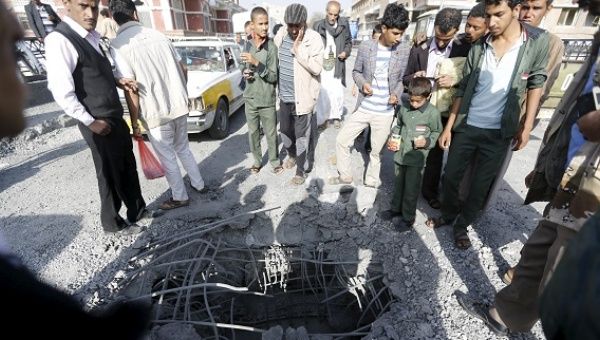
{"x": 150, "y": 165}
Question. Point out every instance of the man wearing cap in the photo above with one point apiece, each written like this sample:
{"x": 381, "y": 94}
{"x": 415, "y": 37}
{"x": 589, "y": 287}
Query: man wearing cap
{"x": 300, "y": 65}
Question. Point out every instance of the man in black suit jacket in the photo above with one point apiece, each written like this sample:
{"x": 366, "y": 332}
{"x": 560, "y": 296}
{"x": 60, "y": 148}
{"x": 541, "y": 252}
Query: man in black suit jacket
{"x": 41, "y": 17}
{"x": 422, "y": 62}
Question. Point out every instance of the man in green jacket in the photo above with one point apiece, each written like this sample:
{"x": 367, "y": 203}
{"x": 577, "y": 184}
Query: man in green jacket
{"x": 504, "y": 69}
{"x": 260, "y": 74}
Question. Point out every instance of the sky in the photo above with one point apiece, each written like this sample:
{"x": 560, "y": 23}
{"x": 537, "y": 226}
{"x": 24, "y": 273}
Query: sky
{"x": 311, "y": 5}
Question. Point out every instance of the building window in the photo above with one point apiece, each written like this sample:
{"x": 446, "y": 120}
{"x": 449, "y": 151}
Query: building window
{"x": 206, "y": 16}
{"x": 568, "y": 17}
{"x": 591, "y": 20}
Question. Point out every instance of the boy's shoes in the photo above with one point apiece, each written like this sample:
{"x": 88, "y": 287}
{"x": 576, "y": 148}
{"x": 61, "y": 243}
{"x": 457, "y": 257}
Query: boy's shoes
{"x": 297, "y": 180}
{"x": 388, "y": 215}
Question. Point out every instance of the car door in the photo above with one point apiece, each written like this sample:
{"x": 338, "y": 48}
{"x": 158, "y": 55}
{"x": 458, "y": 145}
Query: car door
{"x": 236, "y": 76}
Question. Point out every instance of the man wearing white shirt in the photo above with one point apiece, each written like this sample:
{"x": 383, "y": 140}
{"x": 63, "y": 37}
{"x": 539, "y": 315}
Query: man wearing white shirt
{"x": 149, "y": 57}
{"x": 81, "y": 80}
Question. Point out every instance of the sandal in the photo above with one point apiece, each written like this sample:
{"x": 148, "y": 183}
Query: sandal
{"x": 435, "y": 223}
{"x": 254, "y": 169}
{"x": 289, "y": 163}
{"x": 508, "y": 276}
{"x": 172, "y": 204}
{"x": 462, "y": 241}
{"x": 297, "y": 180}
{"x": 277, "y": 169}
{"x": 338, "y": 181}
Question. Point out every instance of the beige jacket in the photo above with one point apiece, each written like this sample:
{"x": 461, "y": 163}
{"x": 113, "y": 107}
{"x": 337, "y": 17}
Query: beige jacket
{"x": 149, "y": 57}
{"x": 308, "y": 63}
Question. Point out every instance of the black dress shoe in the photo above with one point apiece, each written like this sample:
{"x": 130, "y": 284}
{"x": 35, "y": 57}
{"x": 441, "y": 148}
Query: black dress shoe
{"x": 434, "y": 203}
{"x": 480, "y": 311}
{"x": 147, "y": 213}
{"x": 388, "y": 215}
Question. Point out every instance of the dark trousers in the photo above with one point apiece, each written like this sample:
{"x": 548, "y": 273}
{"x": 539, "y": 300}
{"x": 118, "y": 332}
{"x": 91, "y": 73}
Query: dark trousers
{"x": 298, "y": 136}
{"x": 116, "y": 173}
{"x": 490, "y": 150}
{"x": 433, "y": 171}
{"x": 406, "y": 190}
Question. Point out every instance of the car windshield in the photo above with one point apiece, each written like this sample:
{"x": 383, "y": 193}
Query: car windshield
{"x": 202, "y": 58}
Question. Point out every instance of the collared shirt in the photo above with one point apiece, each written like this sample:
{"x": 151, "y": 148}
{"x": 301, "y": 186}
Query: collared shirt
{"x": 435, "y": 55}
{"x": 61, "y": 60}
{"x": 378, "y": 102}
{"x": 491, "y": 92}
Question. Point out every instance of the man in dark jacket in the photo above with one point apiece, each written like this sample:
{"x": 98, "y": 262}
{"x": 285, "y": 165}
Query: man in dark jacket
{"x": 42, "y": 18}
{"x": 337, "y": 40}
{"x": 424, "y": 61}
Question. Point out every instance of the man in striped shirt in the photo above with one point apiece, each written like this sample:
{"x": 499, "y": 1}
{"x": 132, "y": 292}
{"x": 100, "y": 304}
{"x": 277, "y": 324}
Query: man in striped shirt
{"x": 380, "y": 90}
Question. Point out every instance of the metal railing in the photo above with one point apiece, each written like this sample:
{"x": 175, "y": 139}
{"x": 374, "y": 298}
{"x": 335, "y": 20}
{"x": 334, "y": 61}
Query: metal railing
{"x": 31, "y": 59}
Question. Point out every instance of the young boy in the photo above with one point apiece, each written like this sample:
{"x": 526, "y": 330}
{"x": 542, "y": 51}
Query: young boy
{"x": 418, "y": 127}
{"x": 260, "y": 74}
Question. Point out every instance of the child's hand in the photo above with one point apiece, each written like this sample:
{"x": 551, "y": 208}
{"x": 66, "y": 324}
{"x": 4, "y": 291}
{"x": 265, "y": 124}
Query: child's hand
{"x": 420, "y": 142}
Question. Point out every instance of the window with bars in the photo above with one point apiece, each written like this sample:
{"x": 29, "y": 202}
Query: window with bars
{"x": 568, "y": 17}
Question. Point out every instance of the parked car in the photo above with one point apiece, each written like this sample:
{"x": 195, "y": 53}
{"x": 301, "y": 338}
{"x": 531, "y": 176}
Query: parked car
{"x": 213, "y": 85}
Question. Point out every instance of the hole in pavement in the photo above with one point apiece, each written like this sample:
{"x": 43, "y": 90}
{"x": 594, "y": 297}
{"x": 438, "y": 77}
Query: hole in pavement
{"x": 228, "y": 292}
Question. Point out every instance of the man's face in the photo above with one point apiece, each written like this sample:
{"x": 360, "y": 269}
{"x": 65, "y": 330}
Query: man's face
{"x": 390, "y": 36}
{"x": 500, "y": 16}
{"x": 248, "y": 29}
{"x": 593, "y": 6}
{"x": 416, "y": 102}
{"x": 84, "y": 12}
{"x": 294, "y": 30}
{"x": 443, "y": 39}
{"x": 475, "y": 28}
{"x": 333, "y": 13}
{"x": 12, "y": 89}
{"x": 260, "y": 25}
{"x": 533, "y": 11}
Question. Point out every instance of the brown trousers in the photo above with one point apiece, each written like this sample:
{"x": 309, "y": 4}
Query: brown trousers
{"x": 517, "y": 303}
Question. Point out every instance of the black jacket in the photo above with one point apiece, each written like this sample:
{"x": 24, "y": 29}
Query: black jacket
{"x": 343, "y": 43}
{"x": 35, "y": 20}
{"x": 419, "y": 55}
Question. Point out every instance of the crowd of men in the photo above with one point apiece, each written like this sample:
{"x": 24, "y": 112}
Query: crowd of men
{"x": 472, "y": 95}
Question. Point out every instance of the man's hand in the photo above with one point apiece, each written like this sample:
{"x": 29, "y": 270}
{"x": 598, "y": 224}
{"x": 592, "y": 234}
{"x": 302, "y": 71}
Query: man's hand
{"x": 420, "y": 74}
{"x": 100, "y": 127}
{"x": 393, "y": 100}
{"x": 589, "y": 125}
{"x": 249, "y": 58}
{"x": 392, "y": 145}
{"x": 522, "y": 138}
{"x": 248, "y": 74}
{"x": 137, "y": 132}
{"x": 445, "y": 81}
{"x": 128, "y": 85}
{"x": 445, "y": 139}
{"x": 367, "y": 90}
{"x": 342, "y": 56}
{"x": 354, "y": 90}
{"x": 298, "y": 40}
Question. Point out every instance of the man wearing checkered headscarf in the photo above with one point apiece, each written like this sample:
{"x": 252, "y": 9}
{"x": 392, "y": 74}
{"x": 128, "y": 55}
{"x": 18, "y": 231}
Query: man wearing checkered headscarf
{"x": 300, "y": 52}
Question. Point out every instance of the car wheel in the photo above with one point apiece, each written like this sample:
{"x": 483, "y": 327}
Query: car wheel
{"x": 220, "y": 126}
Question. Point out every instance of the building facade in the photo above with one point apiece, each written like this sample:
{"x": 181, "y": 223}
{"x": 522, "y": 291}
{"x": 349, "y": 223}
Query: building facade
{"x": 565, "y": 19}
{"x": 178, "y": 17}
